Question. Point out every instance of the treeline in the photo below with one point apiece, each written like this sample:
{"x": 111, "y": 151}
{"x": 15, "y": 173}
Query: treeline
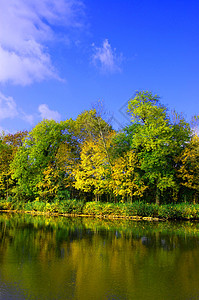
{"x": 154, "y": 159}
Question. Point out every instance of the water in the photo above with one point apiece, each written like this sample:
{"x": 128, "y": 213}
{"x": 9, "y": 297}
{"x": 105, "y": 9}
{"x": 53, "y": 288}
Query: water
{"x": 65, "y": 258}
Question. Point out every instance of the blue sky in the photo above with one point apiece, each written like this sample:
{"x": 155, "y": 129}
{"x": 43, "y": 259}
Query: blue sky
{"x": 59, "y": 57}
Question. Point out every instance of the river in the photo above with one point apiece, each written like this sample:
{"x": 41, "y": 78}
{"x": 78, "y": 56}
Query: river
{"x": 82, "y": 258}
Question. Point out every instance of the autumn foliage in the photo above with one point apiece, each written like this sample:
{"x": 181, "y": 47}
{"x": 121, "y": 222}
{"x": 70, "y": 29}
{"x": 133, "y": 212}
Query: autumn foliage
{"x": 154, "y": 159}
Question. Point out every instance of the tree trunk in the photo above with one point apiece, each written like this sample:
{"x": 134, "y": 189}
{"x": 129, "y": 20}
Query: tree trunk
{"x": 185, "y": 198}
{"x": 157, "y": 197}
{"x": 195, "y": 198}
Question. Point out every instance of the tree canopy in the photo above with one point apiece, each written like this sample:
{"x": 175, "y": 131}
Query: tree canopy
{"x": 154, "y": 158}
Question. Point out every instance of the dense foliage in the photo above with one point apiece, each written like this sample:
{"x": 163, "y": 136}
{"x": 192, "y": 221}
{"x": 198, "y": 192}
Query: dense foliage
{"x": 154, "y": 159}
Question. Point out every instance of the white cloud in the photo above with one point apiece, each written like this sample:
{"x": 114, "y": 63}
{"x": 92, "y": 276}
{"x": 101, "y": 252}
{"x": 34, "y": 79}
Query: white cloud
{"x": 25, "y": 69}
{"x": 8, "y": 107}
{"x": 27, "y": 117}
{"x": 47, "y": 113}
{"x": 106, "y": 59}
{"x": 9, "y": 110}
{"x": 25, "y": 28}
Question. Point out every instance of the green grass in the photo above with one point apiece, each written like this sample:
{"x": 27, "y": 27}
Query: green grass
{"x": 180, "y": 211}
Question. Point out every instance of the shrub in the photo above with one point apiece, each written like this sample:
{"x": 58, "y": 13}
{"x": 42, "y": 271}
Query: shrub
{"x": 4, "y": 205}
{"x": 92, "y": 208}
{"x": 71, "y": 206}
{"x": 38, "y": 206}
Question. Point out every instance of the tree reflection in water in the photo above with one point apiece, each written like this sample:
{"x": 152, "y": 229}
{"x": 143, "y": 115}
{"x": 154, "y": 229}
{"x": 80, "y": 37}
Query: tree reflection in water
{"x": 82, "y": 258}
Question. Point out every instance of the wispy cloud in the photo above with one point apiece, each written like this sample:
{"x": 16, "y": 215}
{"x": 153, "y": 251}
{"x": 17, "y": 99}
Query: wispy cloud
{"x": 9, "y": 110}
{"x": 47, "y": 113}
{"x": 24, "y": 69}
{"x": 28, "y": 118}
{"x": 25, "y": 28}
{"x": 8, "y": 107}
{"x": 106, "y": 58}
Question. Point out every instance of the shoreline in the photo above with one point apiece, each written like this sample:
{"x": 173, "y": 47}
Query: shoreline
{"x": 96, "y": 216}
{"x": 134, "y": 218}
{"x": 138, "y": 211}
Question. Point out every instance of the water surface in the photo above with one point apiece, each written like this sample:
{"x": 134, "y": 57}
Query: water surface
{"x": 82, "y": 258}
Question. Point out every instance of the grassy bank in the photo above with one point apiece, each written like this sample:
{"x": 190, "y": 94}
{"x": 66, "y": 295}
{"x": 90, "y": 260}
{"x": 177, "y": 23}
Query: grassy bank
{"x": 138, "y": 210}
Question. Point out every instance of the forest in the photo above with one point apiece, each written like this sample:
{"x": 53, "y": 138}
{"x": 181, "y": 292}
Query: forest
{"x": 153, "y": 159}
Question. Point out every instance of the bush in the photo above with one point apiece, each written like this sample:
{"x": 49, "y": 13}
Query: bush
{"x": 179, "y": 211}
{"x": 166, "y": 211}
{"x": 92, "y": 208}
{"x": 142, "y": 209}
{"x": 38, "y": 206}
{"x": 71, "y": 206}
{"x": 4, "y": 205}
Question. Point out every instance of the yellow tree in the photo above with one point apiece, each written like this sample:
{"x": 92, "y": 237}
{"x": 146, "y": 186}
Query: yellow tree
{"x": 49, "y": 185}
{"x": 94, "y": 170}
{"x": 126, "y": 180}
{"x": 189, "y": 169}
{"x": 88, "y": 127}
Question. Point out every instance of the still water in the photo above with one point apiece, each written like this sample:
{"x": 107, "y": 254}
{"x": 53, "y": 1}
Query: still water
{"x": 81, "y": 258}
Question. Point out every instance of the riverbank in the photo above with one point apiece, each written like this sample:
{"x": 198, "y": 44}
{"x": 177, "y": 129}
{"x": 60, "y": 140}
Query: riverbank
{"x": 135, "y": 210}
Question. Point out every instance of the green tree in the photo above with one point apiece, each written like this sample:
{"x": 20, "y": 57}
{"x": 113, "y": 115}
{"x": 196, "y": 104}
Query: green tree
{"x": 122, "y": 141}
{"x": 157, "y": 141}
{"x": 37, "y": 153}
{"x": 9, "y": 145}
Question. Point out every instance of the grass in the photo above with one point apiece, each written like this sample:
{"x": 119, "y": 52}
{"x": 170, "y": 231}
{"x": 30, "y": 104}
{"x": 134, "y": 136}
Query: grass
{"x": 181, "y": 211}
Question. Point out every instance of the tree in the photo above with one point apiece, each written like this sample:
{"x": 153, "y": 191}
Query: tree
{"x": 156, "y": 141}
{"x": 122, "y": 141}
{"x": 49, "y": 185}
{"x": 189, "y": 167}
{"x": 90, "y": 125}
{"x": 67, "y": 159}
{"x": 9, "y": 145}
{"x": 36, "y": 154}
{"x": 126, "y": 180}
{"x": 89, "y": 129}
{"x": 94, "y": 170}
{"x": 5, "y": 171}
